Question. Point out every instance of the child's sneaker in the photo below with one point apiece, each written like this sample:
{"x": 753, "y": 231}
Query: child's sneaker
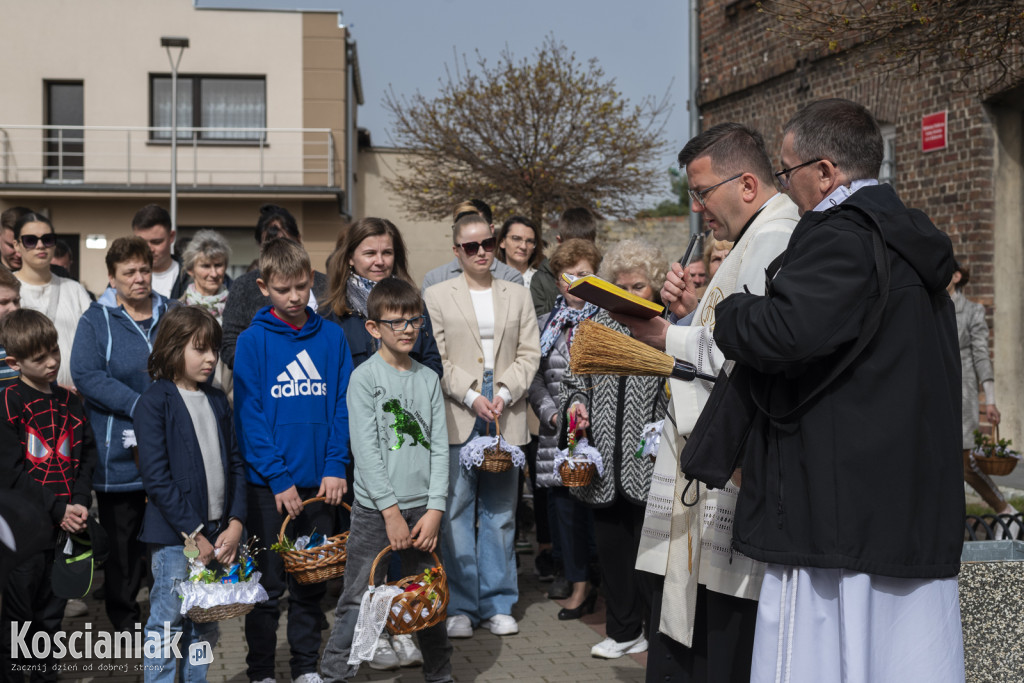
{"x": 311, "y": 677}
{"x": 408, "y": 653}
{"x": 384, "y": 658}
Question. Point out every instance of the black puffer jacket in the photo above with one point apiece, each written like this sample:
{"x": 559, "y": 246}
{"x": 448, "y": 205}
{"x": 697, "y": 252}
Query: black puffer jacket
{"x": 619, "y": 408}
{"x": 868, "y": 477}
{"x": 543, "y": 395}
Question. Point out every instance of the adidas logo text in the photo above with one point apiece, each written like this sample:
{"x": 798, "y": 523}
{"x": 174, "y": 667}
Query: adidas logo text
{"x": 300, "y": 378}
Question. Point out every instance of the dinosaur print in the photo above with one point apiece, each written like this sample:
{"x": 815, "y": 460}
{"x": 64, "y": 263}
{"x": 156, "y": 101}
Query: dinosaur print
{"x": 405, "y": 425}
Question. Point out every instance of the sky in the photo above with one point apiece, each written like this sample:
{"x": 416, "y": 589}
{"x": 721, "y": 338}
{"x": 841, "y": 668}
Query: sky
{"x": 405, "y": 44}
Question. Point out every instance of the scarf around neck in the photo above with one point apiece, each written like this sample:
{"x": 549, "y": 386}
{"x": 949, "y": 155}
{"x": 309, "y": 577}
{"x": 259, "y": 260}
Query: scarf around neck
{"x": 211, "y": 303}
{"x": 357, "y": 292}
{"x": 563, "y": 316}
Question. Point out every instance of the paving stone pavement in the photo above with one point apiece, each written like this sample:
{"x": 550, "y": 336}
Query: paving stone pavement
{"x": 545, "y": 650}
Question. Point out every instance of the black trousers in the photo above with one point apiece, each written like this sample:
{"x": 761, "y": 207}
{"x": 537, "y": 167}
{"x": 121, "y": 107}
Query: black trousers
{"x": 540, "y": 496}
{"x": 305, "y": 616}
{"x": 723, "y": 641}
{"x": 127, "y": 565}
{"x": 28, "y": 598}
{"x": 627, "y": 593}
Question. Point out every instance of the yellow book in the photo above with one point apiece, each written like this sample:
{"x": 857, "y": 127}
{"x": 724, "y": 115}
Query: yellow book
{"x": 611, "y": 297}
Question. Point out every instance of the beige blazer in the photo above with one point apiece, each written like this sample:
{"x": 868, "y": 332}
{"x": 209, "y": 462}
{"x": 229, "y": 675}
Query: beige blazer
{"x": 516, "y": 352}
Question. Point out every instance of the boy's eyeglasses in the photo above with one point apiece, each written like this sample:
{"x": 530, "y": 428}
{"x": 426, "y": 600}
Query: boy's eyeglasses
{"x": 473, "y": 248}
{"x": 30, "y": 241}
{"x": 400, "y": 324}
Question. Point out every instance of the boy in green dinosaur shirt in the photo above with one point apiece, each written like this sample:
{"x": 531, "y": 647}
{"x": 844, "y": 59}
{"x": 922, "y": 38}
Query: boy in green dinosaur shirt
{"x": 400, "y": 454}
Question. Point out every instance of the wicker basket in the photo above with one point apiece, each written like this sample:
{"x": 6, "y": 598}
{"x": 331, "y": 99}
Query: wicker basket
{"x": 495, "y": 459}
{"x": 413, "y": 603}
{"x": 204, "y": 615}
{"x": 992, "y": 465}
{"x": 579, "y": 474}
{"x": 315, "y": 565}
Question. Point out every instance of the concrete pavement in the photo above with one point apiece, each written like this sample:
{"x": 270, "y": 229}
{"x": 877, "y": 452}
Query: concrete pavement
{"x": 545, "y": 650}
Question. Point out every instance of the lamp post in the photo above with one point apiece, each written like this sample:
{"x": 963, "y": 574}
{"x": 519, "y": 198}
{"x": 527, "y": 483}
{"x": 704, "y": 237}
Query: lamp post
{"x": 168, "y": 42}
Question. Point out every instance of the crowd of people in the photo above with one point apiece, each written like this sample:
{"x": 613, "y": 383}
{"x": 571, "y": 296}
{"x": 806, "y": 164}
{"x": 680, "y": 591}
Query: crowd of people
{"x": 192, "y": 411}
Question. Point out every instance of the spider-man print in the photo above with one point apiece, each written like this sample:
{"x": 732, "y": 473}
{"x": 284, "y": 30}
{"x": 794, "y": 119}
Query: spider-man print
{"x": 50, "y": 434}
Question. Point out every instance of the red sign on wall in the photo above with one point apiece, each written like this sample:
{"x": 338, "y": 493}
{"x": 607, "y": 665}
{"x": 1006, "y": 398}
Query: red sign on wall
{"x": 933, "y": 131}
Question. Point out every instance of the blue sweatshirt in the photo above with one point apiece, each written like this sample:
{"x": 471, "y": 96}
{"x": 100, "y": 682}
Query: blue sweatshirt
{"x": 290, "y": 411}
{"x": 109, "y": 366}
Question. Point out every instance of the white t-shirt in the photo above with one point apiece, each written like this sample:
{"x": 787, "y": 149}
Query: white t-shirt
{"x": 163, "y": 282}
{"x": 63, "y": 301}
{"x": 483, "y": 307}
{"x": 204, "y": 422}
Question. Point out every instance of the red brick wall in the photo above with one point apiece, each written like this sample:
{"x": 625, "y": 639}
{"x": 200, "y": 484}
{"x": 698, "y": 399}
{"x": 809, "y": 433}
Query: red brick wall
{"x": 749, "y": 74}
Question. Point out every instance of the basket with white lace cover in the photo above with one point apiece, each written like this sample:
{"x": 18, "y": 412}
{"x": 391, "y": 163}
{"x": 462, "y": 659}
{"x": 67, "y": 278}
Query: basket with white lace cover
{"x": 422, "y": 602}
{"x": 491, "y": 453}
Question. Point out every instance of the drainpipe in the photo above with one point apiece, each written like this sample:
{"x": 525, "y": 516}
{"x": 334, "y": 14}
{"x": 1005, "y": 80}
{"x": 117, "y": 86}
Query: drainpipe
{"x": 696, "y": 220}
{"x": 353, "y": 98}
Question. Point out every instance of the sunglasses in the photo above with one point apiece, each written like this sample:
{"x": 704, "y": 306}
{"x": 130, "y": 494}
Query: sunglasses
{"x": 471, "y": 248}
{"x": 30, "y": 241}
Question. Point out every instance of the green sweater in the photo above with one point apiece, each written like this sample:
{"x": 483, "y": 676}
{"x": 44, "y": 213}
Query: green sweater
{"x": 399, "y": 436}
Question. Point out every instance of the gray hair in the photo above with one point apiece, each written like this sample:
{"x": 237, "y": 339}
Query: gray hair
{"x": 841, "y": 131}
{"x": 635, "y": 255}
{"x": 207, "y": 244}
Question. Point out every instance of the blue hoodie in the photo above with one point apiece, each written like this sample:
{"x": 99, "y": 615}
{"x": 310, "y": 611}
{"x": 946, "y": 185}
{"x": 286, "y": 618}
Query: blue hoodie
{"x": 290, "y": 411}
{"x": 109, "y": 361}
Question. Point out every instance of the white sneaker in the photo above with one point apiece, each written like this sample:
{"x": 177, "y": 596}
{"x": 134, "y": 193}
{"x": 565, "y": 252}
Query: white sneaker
{"x": 384, "y": 658}
{"x": 501, "y": 625}
{"x": 408, "y": 653}
{"x": 311, "y": 677}
{"x": 264, "y": 680}
{"x": 613, "y": 649}
{"x": 459, "y": 626}
{"x": 75, "y": 608}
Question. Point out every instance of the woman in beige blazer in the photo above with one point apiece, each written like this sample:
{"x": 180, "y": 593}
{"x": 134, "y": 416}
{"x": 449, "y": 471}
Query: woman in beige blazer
{"x": 486, "y": 331}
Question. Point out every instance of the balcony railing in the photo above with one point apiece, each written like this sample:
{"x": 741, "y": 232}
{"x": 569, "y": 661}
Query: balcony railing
{"x": 102, "y": 157}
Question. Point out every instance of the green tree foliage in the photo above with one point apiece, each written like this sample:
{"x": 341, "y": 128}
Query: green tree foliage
{"x": 528, "y": 136}
{"x": 980, "y": 41}
{"x": 680, "y": 206}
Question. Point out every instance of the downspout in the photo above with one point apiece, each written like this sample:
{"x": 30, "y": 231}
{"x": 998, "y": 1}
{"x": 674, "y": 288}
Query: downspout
{"x": 353, "y": 98}
{"x": 696, "y": 221}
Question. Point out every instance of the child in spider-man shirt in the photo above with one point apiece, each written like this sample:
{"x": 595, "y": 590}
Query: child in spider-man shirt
{"x": 48, "y": 452}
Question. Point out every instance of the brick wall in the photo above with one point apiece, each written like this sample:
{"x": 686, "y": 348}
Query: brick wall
{"x": 749, "y": 74}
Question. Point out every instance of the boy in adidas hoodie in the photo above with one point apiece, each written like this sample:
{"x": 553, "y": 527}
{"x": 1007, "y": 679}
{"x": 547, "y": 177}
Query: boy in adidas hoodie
{"x": 291, "y": 375}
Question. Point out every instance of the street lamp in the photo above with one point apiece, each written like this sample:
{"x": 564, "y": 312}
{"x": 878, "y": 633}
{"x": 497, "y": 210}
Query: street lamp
{"x": 169, "y": 42}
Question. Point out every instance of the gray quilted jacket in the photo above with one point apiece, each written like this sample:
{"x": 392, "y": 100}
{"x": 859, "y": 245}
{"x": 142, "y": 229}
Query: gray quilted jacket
{"x": 619, "y": 408}
{"x": 543, "y": 394}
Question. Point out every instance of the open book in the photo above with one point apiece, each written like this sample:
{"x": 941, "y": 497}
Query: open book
{"x": 611, "y": 297}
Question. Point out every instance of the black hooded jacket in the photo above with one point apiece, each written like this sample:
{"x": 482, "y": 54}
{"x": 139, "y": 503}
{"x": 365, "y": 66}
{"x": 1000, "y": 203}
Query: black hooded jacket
{"x": 868, "y": 476}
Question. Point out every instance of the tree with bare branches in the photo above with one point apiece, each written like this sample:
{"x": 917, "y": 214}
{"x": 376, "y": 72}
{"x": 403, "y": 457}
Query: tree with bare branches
{"x": 981, "y": 41}
{"x": 529, "y": 136}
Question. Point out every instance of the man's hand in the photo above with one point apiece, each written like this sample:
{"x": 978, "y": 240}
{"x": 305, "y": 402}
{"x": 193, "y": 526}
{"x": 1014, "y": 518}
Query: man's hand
{"x": 651, "y": 332}
{"x": 332, "y": 489}
{"x": 678, "y": 293}
{"x": 484, "y": 409}
{"x": 289, "y": 501}
{"x": 424, "y": 534}
{"x": 75, "y": 518}
{"x": 397, "y": 528}
{"x": 226, "y": 547}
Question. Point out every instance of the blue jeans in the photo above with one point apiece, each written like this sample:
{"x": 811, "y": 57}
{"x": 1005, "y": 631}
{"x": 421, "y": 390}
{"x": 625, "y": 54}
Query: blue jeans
{"x": 169, "y": 567}
{"x": 481, "y": 565}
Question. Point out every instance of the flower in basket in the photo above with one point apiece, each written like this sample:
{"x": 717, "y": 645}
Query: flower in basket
{"x": 986, "y": 448}
{"x": 579, "y": 451}
{"x": 472, "y": 454}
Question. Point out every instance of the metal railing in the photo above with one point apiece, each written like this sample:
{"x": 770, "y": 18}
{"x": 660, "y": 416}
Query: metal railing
{"x": 129, "y": 156}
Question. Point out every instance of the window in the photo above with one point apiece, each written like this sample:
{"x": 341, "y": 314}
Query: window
{"x": 65, "y": 149}
{"x": 888, "y": 170}
{"x": 210, "y": 102}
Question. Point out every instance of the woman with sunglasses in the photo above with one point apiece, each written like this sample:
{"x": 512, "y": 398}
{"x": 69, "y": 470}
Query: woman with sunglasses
{"x": 487, "y": 334}
{"x": 61, "y": 299}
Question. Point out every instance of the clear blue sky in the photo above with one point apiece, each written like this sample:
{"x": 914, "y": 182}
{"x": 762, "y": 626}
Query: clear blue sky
{"x": 407, "y": 43}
